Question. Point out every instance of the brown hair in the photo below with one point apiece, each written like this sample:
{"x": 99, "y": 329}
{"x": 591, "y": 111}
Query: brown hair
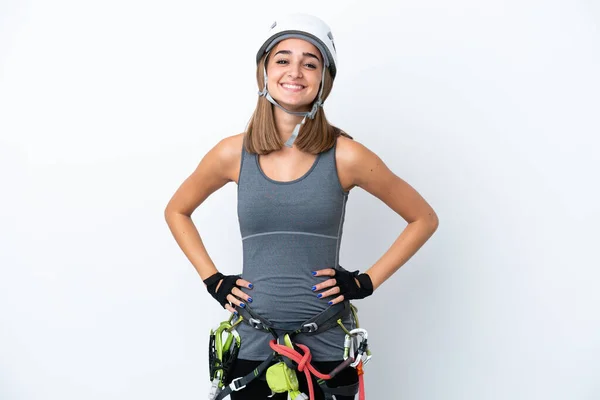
{"x": 315, "y": 136}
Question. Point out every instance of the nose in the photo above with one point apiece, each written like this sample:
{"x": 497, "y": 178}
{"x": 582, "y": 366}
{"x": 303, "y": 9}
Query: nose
{"x": 295, "y": 70}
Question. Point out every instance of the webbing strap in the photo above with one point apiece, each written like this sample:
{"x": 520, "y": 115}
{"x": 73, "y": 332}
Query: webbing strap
{"x": 326, "y": 319}
{"x": 240, "y": 383}
{"x": 317, "y": 324}
{"x": 329, "y": 392}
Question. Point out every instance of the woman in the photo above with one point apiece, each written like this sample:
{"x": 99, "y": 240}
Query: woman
{"x": 294, "y": 172}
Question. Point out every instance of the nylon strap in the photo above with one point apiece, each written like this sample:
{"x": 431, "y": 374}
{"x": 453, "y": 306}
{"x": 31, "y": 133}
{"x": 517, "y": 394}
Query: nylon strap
{"x": 329, "y": 392}
{"x": 317, "y": 324}
{"x": 238, "y": 384}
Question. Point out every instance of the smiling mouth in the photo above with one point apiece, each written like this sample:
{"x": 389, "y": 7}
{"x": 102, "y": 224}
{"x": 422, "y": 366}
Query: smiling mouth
{"x": 292, "y": 87}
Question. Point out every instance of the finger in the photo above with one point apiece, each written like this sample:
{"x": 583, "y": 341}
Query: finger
{"x": 338, "y": 299}
{"x": 324, "y": 272}
{"x": 244, "y": 283}
{"x": 241, "y": 295}
{"x": 230, "y": 309}
{"x": 333, "y": 291}
{"x": 325, "y": 284}
{"x": 234, "y": 300}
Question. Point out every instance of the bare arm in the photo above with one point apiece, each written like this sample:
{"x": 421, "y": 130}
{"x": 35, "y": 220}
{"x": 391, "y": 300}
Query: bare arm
{"x": 358, "y": 166}
{"x": 218, "y": 167}
{"x": 370, "y": 173}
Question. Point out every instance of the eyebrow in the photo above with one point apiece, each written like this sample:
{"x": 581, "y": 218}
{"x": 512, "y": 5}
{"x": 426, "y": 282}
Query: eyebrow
{"x": 304, "y": 54}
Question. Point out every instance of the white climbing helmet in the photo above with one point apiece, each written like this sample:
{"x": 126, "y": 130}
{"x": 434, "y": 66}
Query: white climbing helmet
{"x": 302, "y": 26}
{"x": 313, "y": 30}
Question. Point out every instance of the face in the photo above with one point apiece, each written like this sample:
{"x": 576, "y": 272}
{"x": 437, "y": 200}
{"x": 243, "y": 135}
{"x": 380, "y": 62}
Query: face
{"x": 294, "y": 73}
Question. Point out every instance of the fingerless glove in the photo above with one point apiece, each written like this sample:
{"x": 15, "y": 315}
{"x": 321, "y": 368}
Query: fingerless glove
{"x": 229, "y": 282}
{"x": 348, "y": 286}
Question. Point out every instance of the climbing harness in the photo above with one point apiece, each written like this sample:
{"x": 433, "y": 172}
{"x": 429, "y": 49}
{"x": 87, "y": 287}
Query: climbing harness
{"x": 279, "y": 369}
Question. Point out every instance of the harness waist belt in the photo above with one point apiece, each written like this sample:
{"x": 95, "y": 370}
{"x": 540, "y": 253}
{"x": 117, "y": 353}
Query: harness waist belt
{"x": 323, "y": 321}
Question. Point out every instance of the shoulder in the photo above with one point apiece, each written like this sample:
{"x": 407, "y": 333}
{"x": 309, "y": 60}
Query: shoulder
{"x": 353, "y": 161}
{"x": 227, "y": 153}
{"x": 350, "y": 151}
{"x": 355, "y": 156}
{"x": 230, "y": 148}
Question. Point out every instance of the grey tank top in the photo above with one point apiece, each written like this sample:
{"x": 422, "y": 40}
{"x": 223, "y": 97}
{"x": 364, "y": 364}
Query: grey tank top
{"x": 290, "y": 229}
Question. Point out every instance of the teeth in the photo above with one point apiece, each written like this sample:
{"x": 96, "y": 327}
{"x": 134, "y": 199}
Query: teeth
{"x": 292, "y": 86}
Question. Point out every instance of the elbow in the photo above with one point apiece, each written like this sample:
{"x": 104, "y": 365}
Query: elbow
{"x": 428, "y": 222}
{"x": 432, "y": 221}
{"x": 171, "y": 213}
{"x": 168, "y": 214}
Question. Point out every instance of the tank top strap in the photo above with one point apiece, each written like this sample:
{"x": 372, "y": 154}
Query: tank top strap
{"x": 329, "y": 155}
{"x": 327, "y": 170}
{"x": 246, "y": 161}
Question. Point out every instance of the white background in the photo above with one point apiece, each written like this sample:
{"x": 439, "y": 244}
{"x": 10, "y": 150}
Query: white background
{"x": 490, "y": 109}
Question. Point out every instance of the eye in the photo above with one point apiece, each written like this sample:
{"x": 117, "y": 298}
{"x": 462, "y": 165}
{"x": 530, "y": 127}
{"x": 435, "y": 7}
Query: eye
{"x": 311, "y": 66}
{"x": 281, "y": 61}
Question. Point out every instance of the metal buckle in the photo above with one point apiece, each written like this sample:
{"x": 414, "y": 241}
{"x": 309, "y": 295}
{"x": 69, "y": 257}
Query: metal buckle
{"x": 256, "y": 324}
{"x": 312, "y": 327}
{"x": 233, "y": 385}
